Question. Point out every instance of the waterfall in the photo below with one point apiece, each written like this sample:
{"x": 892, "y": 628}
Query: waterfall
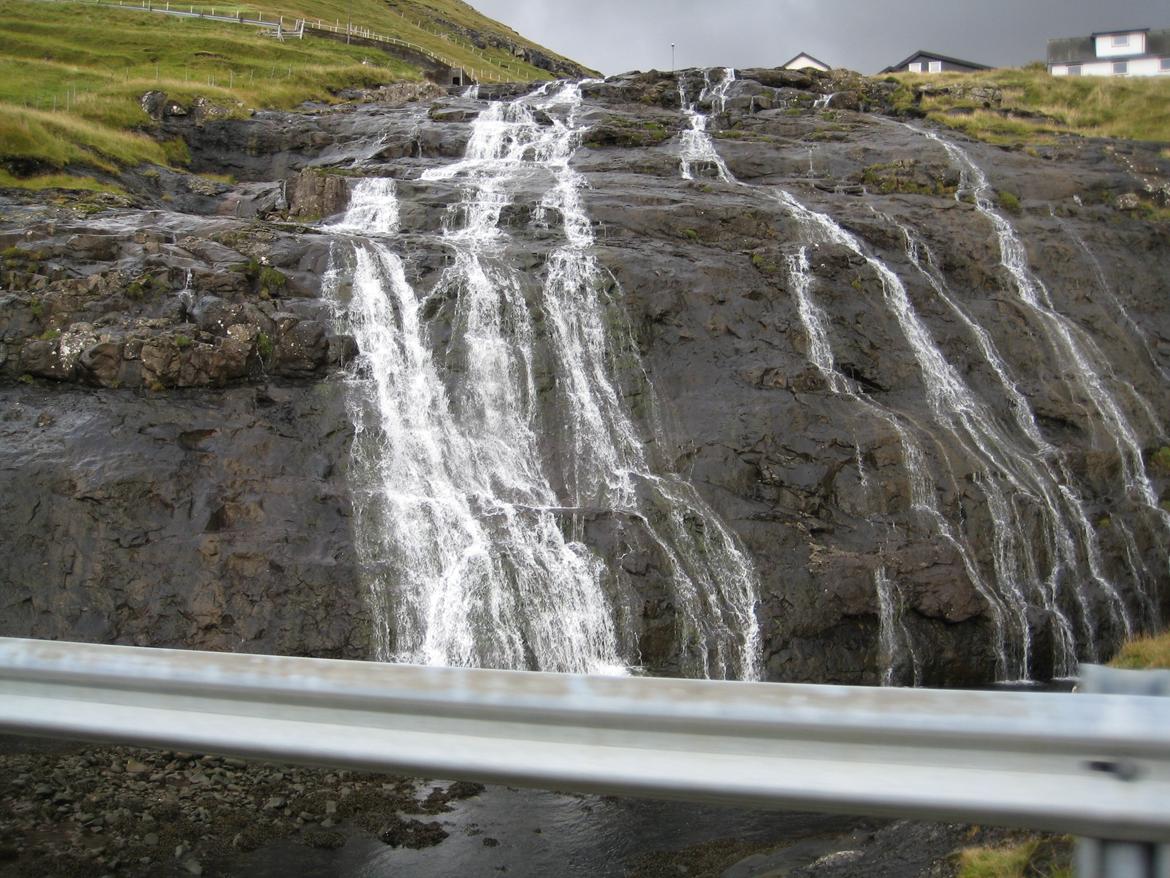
{"x": 187, "y": 293}
{"x": 919, "y": 256}
{"x": 815, "y": 322}
{"x": 922, "y": 494}
{"x": 373, "y": 209}
{"x": 697, "y": 148}
{"x": 469, "y": 525}
{"x": 1127, "y": 319}
{"x": 897, "y": 644}
{"x": 465, "y": 561}
{"x": 954, "y": 407}
{"x": 1022, "y": 478}
{"x": 1065, "y": 338}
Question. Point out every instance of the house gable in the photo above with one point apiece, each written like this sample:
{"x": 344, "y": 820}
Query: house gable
{"x": 923, "y": 61}
{"x": 802, "y": 60}
{"x": 1121, "y": 43}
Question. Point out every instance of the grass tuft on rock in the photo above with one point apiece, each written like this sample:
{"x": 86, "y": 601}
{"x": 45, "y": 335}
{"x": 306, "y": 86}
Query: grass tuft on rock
{"x": 1031, "y": 858}
{"x": 1144, "y": 653}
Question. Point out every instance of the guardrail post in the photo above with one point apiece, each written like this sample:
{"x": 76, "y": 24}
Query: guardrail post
{"x": 1105, "y": 858}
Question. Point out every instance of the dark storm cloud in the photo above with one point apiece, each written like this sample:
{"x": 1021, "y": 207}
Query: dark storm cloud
{"x": 618, "y": 35}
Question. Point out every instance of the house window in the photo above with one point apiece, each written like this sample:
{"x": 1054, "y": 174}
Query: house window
{"x": 1120, "y": 68}
{"x": 1074, "y": 69}
{"x": 915, "y": 67}
{"x": 936, "y": 66}
{"x": 1120, "y": 41}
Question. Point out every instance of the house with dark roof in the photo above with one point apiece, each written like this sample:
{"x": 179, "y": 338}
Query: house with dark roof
{"x": 923, "y": 61}
{"x": 804, "y": 60}
{"x": 1137, "y": 52}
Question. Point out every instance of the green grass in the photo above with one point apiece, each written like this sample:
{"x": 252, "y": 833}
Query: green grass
{"x": 72, "y": 74}
{"x": 55, "y": 181}
{"x": 1032, "y": 858}
{"x": 1141, "y": 653}
{"x": 433, "y": 25}
{"x": 1134, "y": 108}
{"x": 71, "y": 77}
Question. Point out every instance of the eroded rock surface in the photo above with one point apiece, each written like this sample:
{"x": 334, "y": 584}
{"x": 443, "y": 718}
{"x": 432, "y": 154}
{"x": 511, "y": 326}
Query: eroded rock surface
{"x": 175, "y": 441}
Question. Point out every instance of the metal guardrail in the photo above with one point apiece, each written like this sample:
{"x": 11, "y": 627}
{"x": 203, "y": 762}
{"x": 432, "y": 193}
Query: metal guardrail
{"x": 1095, "y": 765}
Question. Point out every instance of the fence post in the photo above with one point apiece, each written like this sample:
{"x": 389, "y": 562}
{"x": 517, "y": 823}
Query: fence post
{"x": 1106, "y": 858}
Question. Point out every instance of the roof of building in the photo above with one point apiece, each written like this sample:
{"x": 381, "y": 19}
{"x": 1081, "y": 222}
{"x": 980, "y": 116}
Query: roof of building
{"x": 1114, "y": 33}
{"x": 934, "y": 56}
{"x": 1082, "y": 50}
{"x": 810, "y": 57}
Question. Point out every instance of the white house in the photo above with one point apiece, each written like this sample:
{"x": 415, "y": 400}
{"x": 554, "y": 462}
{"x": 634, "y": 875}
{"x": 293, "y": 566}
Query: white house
{"x": 804, "y": 60}
{"x": 1140, "y": 52}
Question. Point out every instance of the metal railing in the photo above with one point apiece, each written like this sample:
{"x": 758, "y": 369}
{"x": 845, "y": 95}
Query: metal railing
{"x": 1096, "y": 765}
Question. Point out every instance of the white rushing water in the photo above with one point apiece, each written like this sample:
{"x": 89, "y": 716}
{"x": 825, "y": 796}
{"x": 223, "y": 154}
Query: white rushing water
{"x": 1062, "y": 334}
{"x": 469, "y": 520}
{"x": 1127, "y": 319}
{"x": 1030, "y": 497}
{"x": 897, "y": 643}
{"x": 696, "y": 148}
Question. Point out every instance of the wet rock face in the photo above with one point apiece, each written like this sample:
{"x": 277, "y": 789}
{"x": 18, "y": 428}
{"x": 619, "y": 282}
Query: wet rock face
{"x": 214, "y": 520}
{"x": 175, "y": 438}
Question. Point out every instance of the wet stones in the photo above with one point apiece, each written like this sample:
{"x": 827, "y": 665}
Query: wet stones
{"x": 312, "y": 194}
{"x": 145, "y": 813}
{"x": 411, "y": 833}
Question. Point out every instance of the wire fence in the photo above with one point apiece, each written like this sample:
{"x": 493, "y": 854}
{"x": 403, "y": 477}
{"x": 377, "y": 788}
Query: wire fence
{"x": 287, "y": 27}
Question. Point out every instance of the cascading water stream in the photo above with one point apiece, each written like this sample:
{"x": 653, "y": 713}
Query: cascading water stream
{"x": 461, "y": 560}
{"x": 1017, "y": 479}
{"x": 697, "y": 148}
{"x": 1037, "y": 464}
{"x": 1126, "y": 318}
{"x": 1010, "y": 664}
{"x": 820, "y": 353}
{"x": 463, "y": 520}
{"x": 1062, "y": 334}
{"x": 1025, "y": 471}
{"x": 896, "y": 640}
{"x": 1067, "y": 341}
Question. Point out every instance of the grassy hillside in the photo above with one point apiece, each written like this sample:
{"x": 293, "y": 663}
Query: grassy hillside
{"x": 1029, "y": 105}
{"x": 71, "y": 74}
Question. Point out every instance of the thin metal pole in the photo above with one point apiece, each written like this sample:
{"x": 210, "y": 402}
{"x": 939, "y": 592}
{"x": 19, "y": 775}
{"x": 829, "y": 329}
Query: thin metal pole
{"x": 1111, "y": 857}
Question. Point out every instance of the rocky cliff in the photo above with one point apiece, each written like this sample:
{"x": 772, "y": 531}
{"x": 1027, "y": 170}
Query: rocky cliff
{"x": 176, "y": 456}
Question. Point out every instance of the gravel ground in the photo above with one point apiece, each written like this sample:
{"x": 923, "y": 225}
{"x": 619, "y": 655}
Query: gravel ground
{"x": 85, "y": 810}
{"x": 90, "y": 811}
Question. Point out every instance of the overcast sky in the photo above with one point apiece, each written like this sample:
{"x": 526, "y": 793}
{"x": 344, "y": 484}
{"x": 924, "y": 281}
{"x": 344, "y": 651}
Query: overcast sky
{"x": 614, "y": 36}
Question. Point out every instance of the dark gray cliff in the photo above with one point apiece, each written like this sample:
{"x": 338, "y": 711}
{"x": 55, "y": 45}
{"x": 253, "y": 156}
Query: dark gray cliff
{"x": 175, "y": 441}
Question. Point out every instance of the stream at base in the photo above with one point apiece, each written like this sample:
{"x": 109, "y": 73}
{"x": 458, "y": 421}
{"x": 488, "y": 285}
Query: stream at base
{"x": 537, "y": 833}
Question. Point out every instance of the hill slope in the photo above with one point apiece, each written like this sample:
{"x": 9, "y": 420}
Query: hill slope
{"x": 1020, "y": 105}
{"x": 72, "y": 75}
